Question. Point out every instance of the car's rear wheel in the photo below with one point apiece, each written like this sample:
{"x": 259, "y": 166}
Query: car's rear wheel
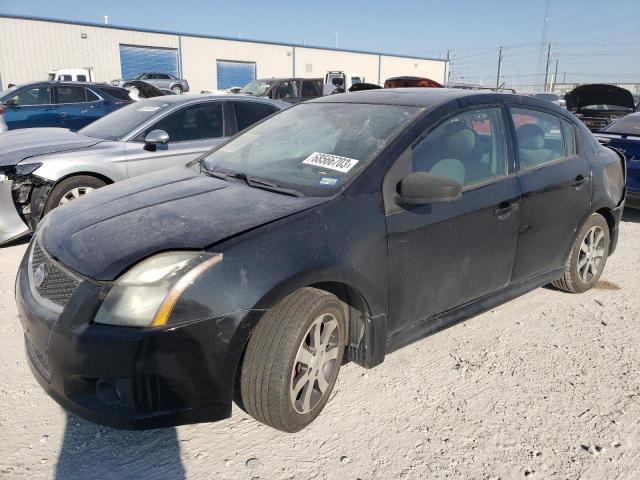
{"x": 72, "y": 188}
{"x": 293, "y": 359}
{"x": 177, "y": 89}
{"x": 587, "y": 258}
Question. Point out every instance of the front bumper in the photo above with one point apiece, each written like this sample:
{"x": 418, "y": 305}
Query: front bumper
{"x": 130, "y": 378}
{"x": 12, "y": 225}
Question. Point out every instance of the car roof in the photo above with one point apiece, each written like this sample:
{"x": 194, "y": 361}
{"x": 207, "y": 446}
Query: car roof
{"x": 428, "y": 97}
{"x": 185, "y": 99}
{"x": 56, "y": 82}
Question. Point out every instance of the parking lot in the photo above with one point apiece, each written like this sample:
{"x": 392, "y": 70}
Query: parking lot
{"x": 546, "y": 386}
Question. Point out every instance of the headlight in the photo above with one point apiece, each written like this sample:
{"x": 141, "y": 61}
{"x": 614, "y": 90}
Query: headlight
{"x": 146, "y": 294}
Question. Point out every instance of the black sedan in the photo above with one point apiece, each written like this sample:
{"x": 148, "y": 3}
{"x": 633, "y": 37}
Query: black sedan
{"x": 339, "y": 230}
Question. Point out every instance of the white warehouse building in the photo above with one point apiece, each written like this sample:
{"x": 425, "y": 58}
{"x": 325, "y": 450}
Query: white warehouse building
{"x": 31, "y": 47}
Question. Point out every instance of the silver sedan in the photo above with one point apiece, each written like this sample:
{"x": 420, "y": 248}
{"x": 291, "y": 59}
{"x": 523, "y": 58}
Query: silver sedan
{"x": 43, "y": 168}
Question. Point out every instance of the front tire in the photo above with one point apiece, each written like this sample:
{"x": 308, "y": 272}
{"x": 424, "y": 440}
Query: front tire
{"x": 177, "y": 89}
{"x": 293, "y": 359}
{"x": 72, "y": 188}
{"x": 587, "y": 258}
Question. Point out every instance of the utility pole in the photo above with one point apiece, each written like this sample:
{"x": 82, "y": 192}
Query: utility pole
{"x": 448, "y": 67}
{"x": 499, "y": 66}
{"x": 546, "y": 70}
{"x": 555, "y": 77}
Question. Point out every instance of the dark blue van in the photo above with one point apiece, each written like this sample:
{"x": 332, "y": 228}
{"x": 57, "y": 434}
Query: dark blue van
{"x": 69, "y": 105}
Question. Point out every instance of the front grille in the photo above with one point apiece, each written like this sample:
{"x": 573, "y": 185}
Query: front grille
{"x": 51, "y": 281}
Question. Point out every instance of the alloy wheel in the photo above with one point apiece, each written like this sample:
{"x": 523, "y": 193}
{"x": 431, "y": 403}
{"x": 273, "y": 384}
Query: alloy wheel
{"x": 315, "y": 363}
{"x": 75, "y": 194}
{"x": 591, "y": 257}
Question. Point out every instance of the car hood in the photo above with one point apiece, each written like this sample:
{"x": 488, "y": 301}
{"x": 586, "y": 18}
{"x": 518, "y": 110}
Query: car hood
{"x": 17, "y": 145}
{"x": 106, "y": 232}
{"x": 598, "y": 94}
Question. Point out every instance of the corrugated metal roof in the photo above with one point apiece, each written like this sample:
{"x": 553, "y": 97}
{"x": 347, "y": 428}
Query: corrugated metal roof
{"x": 213, "y": 37}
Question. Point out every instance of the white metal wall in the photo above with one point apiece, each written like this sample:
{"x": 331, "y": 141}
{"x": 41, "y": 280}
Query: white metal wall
{"x": 199, "y": 57}
{"x": 29, "y": 48}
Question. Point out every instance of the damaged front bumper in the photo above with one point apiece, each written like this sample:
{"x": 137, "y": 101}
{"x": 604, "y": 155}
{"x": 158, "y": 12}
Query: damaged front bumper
{"x": 12, "y": 224}
{"x": 22, "y": 199}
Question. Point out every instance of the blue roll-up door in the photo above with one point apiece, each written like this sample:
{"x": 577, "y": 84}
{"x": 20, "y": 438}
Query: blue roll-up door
{"x": 135, "y": 60}
{"x": 234, "y": 74}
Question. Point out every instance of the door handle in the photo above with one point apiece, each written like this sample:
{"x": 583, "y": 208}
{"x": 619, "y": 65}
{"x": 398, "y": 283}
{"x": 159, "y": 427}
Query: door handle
{"x": 579, "y": 182}
{"x": 63, "y": 114}
{"x": 505, "y": 209}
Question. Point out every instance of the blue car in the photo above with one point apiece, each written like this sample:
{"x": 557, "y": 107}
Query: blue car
{"x": 71, "y": 105}
{"x": 624, "y": 134}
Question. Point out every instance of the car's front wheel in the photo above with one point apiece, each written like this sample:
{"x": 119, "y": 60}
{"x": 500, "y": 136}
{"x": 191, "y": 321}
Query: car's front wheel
{"x": 587, "y": 258}
{"x": 293, "y": 358}
{"x": 177, "y": 89}
{"x": 72, "y": 188}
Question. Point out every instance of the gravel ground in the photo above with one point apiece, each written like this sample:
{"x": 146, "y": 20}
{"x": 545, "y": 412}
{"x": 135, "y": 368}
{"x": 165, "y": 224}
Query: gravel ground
{"x": 546, "y": 386}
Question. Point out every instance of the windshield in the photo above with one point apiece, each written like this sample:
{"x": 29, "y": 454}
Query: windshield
{"x": 629, "y": 125}
{"x": 314, "y": 148}
{"x": 138, "y": 76}
{"x": 120, "y": 123}
{"x": 6, "y": 92}
{"x": 259, "y": 88}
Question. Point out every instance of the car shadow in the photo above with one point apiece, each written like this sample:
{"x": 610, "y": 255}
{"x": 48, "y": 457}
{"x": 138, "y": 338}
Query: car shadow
{"x": 91, "y": 451}
{"x": 631, "y": 215}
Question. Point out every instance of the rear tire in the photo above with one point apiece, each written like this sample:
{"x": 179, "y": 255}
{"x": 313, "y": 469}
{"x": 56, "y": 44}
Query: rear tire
{"x": 587, "y": 258}
{"x": 293, "y": 358}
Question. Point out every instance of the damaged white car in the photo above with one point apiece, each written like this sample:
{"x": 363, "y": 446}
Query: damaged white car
{"x": 43, "y": 168}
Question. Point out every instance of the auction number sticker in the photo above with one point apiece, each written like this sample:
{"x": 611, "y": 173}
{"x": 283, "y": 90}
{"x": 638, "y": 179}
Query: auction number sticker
{"x": 333, "y": 162}
{"x": 148, "y": 109}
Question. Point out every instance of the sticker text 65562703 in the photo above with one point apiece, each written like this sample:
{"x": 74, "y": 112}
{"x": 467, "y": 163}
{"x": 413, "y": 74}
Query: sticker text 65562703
{"x": 332, "y": 162}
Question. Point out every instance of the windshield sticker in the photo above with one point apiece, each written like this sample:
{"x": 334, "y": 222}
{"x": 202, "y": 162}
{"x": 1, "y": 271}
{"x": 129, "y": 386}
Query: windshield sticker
{"x": 332, "y": 162}
{"x": 148, "y": 109}
{"x": 328, "y": 182}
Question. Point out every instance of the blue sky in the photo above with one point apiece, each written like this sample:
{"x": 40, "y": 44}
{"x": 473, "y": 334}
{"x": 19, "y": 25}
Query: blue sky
{"x": 589, "y": 42}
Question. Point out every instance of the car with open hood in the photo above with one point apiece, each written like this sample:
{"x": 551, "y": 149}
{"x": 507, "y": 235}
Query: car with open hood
{"x": 337, "y": 231}
{"x": 43, "y": 168}
{"x": 597, "y": 105}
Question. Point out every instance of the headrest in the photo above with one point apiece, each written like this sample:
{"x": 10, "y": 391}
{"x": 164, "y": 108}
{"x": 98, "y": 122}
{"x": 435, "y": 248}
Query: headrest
{"x": 459, "y": 140}
{"x": 530, "y": 136}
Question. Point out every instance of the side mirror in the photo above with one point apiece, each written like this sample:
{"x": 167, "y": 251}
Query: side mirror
{"x": 420, "y": 188}
{"x": 155, "y": 138}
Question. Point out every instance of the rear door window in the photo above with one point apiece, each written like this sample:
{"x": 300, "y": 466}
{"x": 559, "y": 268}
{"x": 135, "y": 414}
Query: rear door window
{"x": 569, "y": 133}
{"x": 117, "y": 93}
{"x": 539, "y": 136}
{"x": 248, "y": 113}
{"x": 91, "y": 96}
{"x": 310, "y": 89}
{"x": 69, "y": 94}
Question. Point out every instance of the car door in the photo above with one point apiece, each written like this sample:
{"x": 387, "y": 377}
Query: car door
{"x": 192, "y": 130}
{"x": 442, "y": 255}
{"x": 97, "y": 107}
{"x": 556, "y": 190}
{"x": 31, "y": 107}
{"x": 287, "y": 91}
{"x": 310, "y": 89}
{"x": 72, "y": 106}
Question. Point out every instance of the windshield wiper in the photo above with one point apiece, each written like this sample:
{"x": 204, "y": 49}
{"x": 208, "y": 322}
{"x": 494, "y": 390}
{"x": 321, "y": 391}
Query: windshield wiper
{"x": 264, "y": 185}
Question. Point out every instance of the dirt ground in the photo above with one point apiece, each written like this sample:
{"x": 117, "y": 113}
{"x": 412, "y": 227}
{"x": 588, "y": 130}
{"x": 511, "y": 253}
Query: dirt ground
{"x": 546, "y": 386}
